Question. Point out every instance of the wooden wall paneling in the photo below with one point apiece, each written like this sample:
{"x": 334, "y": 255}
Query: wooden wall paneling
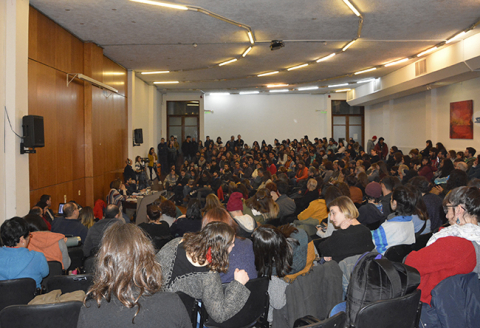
{"x": 45, "y": 40}
{"x": 50, "y": 190}
{"x": 77, "y": 55}
{"x": 100, "y": 123}
{"x": 88, "y": 128}
{"x": 98, "y": 182}
{"x": 93, "y": 61}
{"x": 45, "y": 106}
{"x": 114, "y": 75}
{"x": 32, "y": 33}
{"x": 78, "y": 117}
{"x": 79, "y": 185}
{"x": 63, "y": 49}
{"x": 32, "y": 103}
{"x": 64, "y": 125}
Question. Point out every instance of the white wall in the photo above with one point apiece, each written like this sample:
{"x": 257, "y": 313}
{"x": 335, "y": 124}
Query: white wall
{"x": 266, "y": 117}
{"x": 14, "y": 178}
{"x": 407, "y": 122}
{"x": 144, "y": 115}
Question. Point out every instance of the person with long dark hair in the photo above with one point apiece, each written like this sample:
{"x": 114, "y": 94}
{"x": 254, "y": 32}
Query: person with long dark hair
{"x": 399, "y": 229}
{"x": 127, "y": 284}
{"x": 192, "y": 265}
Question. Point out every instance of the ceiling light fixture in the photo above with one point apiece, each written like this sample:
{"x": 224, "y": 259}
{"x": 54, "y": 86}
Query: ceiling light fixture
{"x": 355, "y": 11}
{"x": 348, "y": 45}
{"x": 427, "y": 51}
{"x": 269, "y": 73}
{"x": 456, "y": 36}
{"x": 343, "y": 90}
{"x": 277, "y": 85}
{"x": 250, "y": 37}
{"x": 165, "y": 82}
{"x": 281, "y": 90}
{"x": 337, "y": 85}
{"x": 366, "y": 80}
{"x": 397, "y": 62}
{"x": 228, "y": 62}
{"x": 246, "y": 51}
{"x": 365, "y": 71}
{"x": 296, "y": 67}
{"x": 155, "y": 72}
{"x": 326, "y": 57}
{"x": 249, "y": 92}
{"x": 162, "y": 4}
{"x": 308, "y": 88}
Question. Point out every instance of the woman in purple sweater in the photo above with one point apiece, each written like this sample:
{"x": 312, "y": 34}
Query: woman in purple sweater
{"x": 241, "y": 256}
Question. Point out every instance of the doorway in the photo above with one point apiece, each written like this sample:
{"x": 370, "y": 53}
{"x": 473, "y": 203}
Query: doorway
{"x": 183, "y": 119}
{"x": 348, "y": 122}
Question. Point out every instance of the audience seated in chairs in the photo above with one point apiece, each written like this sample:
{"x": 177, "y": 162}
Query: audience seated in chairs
{"x": 69, "y": 224}
{"x": 157, "y": 230}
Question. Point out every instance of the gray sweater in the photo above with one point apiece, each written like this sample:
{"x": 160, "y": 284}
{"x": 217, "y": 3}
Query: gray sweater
{"x": 220, "y": 304}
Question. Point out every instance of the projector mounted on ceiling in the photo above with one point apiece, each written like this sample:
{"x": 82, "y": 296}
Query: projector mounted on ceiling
{"x": 276, "y": 44}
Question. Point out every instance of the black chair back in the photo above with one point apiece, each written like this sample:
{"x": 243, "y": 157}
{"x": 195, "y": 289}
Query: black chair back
{"x": 89, "y": 265}
{"x": 397, "y": 253}
{"x": 54, "y": 269}
{"x": 58, "y": 315}
{"x": 68, "y": 284}
{"x": 336, "y": 321}
{"x": 400, "y": 312}
{"x": 254, "y": 310}
{"x": 16, "y": 291}
{"x": 421, "y": 241}
{"x": 76, "y": 256}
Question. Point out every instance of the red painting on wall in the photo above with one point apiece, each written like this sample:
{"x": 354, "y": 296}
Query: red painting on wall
{"x": 461, "y": 123}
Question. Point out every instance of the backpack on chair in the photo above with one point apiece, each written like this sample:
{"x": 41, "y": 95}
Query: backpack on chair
{"x": 376, "y": 278}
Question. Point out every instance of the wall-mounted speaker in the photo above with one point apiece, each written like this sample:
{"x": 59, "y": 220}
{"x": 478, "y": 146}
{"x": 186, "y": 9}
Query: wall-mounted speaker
{"x": 137, "y": 136}
{"x": 33, "y": 136}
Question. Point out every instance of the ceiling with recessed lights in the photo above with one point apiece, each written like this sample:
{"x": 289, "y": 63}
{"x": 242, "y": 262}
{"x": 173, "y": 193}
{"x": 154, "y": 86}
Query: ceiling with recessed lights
{"x": 191, "y": 45}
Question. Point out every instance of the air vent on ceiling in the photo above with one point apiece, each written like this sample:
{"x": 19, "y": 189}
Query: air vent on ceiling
{"x": 420, "y": 67}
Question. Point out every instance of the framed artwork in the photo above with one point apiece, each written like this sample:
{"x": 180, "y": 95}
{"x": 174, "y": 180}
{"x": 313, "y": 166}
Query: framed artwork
{"x": 461, "y": 119}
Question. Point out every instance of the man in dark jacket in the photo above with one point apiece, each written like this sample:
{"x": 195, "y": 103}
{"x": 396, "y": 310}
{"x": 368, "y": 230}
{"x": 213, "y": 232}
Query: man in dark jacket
{"x": 187, "y": 148}
{"x": 95, "y": 233}
{"x": 162, "y": 149}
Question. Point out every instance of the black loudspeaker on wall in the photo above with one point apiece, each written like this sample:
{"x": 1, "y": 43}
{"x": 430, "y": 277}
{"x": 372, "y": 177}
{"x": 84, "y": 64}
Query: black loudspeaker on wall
{"x": 137, "y": 137}
{"x": 33, "y": 133}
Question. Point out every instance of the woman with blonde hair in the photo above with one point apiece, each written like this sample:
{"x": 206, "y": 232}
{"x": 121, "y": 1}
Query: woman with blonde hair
{"x": 86, "y": 217}
{"x": 351, "y": 237}
{"x": 212, "y": 201}
{"x": 127, "y": 283}
{"x": 241, "y": 256}
{"x": 261, "y": 206}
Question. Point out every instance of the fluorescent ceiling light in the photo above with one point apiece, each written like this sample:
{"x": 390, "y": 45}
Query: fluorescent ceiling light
{"x": 366, "y": 70}
{"x": 246, "y": 51}
{"x": 456, "y": 36}
{"x": 219, "y": 94}
{"x": 397, "y": 62}
{"x": 308, "y": 88}
{"x": 326, "y": 57}
{"x": 366, "y": 80}
{"x": 155, "y": 72}
{"x": 166, "y": 82}
{"x": 426, "y": 51}
{"x": 250, "y": 37}
{"x": 193, "y": 104}
{"x": 343, "y": 90}
{"x": 162, "y": 4}
{"x": 113, "y": 73}
{"x": 299, "y": 66}
{"x": 280, "y": 90}
{"x": 277, "y": 85}
{"x": 337, "y": 85}
{"x": 348, "y": 45}
{"x": 269, "y": 73}
{"x": 228, "y": 62}
{"x": 249, "y": 92}
{"x": 355, "y": 11}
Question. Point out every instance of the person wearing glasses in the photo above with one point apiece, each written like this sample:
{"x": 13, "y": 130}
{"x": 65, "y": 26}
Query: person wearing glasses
{"x": 16, "y": 261}
{"x": 455, "y": 249}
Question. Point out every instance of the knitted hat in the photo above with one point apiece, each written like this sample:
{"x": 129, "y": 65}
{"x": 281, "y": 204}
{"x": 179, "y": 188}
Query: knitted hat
{"x": 374, "y": 190}
{"x": 235, "y": 202}
{"x": 374, "y": 138}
